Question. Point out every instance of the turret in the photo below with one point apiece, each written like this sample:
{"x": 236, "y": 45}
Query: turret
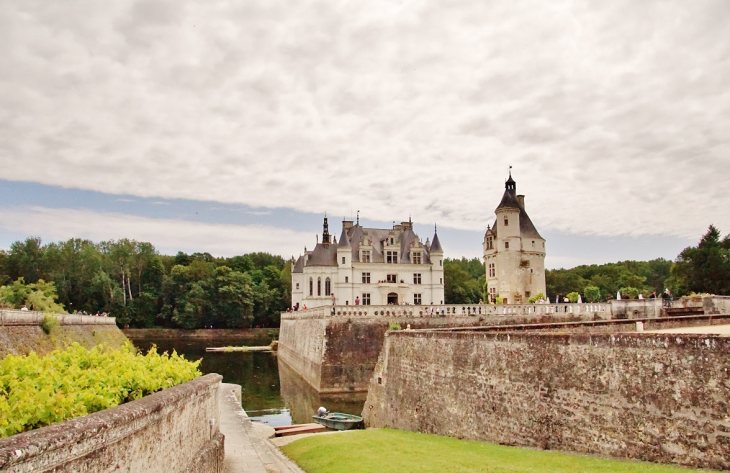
{"x": 344, "y": 250}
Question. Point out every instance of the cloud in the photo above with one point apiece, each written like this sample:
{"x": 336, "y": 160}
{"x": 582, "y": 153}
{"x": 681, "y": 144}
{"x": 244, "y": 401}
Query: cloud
{"x": 614, "y": 114}
{"x": 167, "y": 235}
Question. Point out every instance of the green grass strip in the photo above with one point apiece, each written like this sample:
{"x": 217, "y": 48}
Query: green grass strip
{"x": 386, "y": 450}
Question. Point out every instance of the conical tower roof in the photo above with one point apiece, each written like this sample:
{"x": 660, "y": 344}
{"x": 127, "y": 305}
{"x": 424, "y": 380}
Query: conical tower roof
{"x": 344, "y": 240}
{"x": 436, "y": 244}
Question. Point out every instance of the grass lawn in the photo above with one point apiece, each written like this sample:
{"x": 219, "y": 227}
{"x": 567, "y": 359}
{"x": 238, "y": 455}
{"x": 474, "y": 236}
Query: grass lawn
{"x": 386, "y": 450}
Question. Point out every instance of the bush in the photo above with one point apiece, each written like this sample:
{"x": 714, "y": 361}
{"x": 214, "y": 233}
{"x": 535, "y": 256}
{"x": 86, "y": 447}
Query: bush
{"x": 394, "y": 326}
{"x": 50, "y": 323}
{"x": 592, "y": 293}
{"x": 37, "y": 391}
{"x": 630, "y": 292}
{"x": 536, "y": 298}
{"x": 572, "y": 297}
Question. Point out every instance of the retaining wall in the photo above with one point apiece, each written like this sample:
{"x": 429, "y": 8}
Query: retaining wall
{"x": 716, "y": 304}
{"x": 654, "y": 397}
{"x": 336, "y": 353}
{"x": 169, "y": 431}
{"x": 21, "y": 332}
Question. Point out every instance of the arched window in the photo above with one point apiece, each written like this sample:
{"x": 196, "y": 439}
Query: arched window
{"x": 319, "y": 286}
{"x": 311, "y": 284}
{"x": 327, "y": 287}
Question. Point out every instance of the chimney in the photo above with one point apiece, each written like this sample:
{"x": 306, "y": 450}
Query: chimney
{"x": 347, "y": 224}
{"x": 521, "y": 200}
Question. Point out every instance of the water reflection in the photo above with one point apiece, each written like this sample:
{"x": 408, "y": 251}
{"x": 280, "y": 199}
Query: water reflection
{"x": 271, "y": 392}
{"x": 303, "y": 401}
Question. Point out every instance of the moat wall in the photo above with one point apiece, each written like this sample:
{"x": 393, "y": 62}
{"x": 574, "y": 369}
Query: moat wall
{"x": 654, "y": 397}
{"x": 337, "y": 353}
{"x": 169, "y": 431}
{"x": 21, "y": 332}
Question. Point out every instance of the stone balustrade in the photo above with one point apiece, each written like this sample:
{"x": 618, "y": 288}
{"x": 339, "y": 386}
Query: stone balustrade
{"x": 448, "y": 310}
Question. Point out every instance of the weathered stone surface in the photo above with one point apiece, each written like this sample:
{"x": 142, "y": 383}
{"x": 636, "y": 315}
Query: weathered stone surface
{"x": 663, "y": 398}
{"x": 169, "y": 431}
{"x": 21, "y": 332}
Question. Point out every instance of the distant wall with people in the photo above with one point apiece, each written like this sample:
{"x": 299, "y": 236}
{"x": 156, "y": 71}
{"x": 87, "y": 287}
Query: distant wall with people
{"x": 654, "y": 397}
{"x": 24, "y": 331}
{"x": 172, "y": 431}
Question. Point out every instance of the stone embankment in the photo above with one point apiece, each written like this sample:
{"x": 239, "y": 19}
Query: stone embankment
{"x": 655, "y": 397}
{"x": 22, "y": 332}
{"x": 174, "y": 430}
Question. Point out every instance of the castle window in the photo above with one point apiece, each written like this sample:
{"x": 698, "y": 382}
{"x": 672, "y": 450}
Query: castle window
{"x": 311, "y": 285}
{"x": 327, "y": 287}
{"x": 441, "y": 281}
{"x": 490, "y": 243}
{"x": 527, "y": 294}
{"x": 365, "y": 256}
{"x": 441, "y": 263}
{"x": 417, "y": 299}
{"x": 391, "y": 278}
{"x": 297, "y": 286}
{"x": 319, "y": 286}
{"x": 391, "y": 257}
{"x": 366, "y": 278}
{"x": 416, "y": 278}
{"x": 343, "y": 260}
{"x": 365, "y": 298}
{"x": 391, "y": 241}
{"x": 506, "y": 245}
{"x": 417, "y": 258}
{"x": 492, "y": 270}
{"x": 506, "y": 221}
{"x": 533, "y": 243}
{"x": 347, "y": 279}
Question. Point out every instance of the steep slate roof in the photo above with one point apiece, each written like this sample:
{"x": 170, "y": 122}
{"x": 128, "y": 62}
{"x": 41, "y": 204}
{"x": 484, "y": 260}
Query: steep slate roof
{"x": 299, "y": 265}
{"x": 344, "y": 240}
{"x": 378, "y": 237}
{"x": 509, "y": 201}
{"x": 322, "y": 256}
{"x": 436, "y": 244}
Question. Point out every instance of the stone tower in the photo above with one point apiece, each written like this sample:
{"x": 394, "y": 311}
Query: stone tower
{"x": 514, "y": 252}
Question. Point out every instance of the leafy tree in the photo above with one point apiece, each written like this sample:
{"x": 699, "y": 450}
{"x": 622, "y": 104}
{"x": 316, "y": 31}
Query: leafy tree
{"x": 26, "y": 260}
{"x": 706, "y": 267}
{"x": 572, "y": 296}
{"x": 40, "y": 296}
{"x": 592, "y": 293}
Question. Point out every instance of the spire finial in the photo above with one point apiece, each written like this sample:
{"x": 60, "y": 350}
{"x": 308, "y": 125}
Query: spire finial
{"x": 510, "y": 170}
{"x": 435, "y": 230}
{"x": 358, "y": 217}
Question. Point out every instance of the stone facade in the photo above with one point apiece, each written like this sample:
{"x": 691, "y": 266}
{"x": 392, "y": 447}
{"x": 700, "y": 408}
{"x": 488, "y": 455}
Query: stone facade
{"x": 514, "y": 251}
{"x": 169, "y": 431}
{"x": 369, "y": 266}
{"x": 661, "y": 398}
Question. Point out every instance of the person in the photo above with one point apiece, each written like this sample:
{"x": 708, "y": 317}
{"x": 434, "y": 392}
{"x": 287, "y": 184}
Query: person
{"x": 322, "y": 412}
{"x": 357, "y": 300}
{"x": 24, "y": 308}
{"x": 305, "y": 307}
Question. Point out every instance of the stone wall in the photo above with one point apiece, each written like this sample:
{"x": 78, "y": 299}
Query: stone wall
{"x": 169, "y": 431}
{"x": 636, "y": 308}
{"x": 663, "y": 398}
{"x": 21, "y": 332}
{"x": 716, "y": 304}
{"x": 337, "y": 353}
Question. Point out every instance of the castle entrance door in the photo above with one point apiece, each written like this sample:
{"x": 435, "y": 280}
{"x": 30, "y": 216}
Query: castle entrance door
{"x": 393, "y": 298}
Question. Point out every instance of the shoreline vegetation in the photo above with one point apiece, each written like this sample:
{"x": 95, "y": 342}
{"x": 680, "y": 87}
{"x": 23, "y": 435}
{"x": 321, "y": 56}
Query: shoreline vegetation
{"x": 396, "y": 451}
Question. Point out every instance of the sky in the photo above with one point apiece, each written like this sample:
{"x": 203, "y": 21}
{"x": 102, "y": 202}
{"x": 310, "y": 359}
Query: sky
{"x": 233, "y": 126}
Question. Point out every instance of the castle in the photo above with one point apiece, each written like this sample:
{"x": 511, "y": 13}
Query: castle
{"x": 369, "y": 266}
{"x": 514, "y": 252}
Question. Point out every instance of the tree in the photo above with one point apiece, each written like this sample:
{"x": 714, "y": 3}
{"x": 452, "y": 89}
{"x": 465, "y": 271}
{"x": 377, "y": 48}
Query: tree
{"x": 27, "y": 260}
{"x": 592, "y": 293}
{"x": 706, "y": 267}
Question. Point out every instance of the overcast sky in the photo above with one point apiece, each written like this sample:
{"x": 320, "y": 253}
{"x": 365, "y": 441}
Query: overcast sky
{"x": 230, "y": 127}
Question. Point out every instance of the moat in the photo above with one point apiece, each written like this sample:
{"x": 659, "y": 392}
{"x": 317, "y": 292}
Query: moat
{"x": 271, "y": 392}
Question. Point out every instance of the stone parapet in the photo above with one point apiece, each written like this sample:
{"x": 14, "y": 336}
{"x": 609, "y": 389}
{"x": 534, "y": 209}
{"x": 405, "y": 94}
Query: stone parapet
{"x": 653, "y": 397}
{"x": 602, "y": 310}
{"x": 27, "y": 317}
{"x": 174, "y": 430}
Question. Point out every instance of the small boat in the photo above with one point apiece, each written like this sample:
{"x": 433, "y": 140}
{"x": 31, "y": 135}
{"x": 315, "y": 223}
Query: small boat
{"x": 339, "y": 421}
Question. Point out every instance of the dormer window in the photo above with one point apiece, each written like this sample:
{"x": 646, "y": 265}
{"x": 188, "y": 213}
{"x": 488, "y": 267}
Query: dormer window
{"x": 417, "y": 257}
{"x": 391, "y": 241}
{"x": 365, "y": 258}
{"x": 490, "y": 243}
{"x": 391, "y": 257}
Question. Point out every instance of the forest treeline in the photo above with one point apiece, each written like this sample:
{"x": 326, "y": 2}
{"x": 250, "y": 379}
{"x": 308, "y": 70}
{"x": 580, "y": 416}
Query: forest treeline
{"x": 131, "y": 281}
{"x": 704, "y": 268}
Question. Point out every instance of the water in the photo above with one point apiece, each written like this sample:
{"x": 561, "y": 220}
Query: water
{"x": 271, "y": 392}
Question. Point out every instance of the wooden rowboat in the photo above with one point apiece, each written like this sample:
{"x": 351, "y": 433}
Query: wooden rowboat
{"x": 339, "y": 421}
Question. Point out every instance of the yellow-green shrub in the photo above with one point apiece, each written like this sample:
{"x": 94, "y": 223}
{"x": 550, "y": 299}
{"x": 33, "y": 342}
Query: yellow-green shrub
{"x": 37, "y": 391}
